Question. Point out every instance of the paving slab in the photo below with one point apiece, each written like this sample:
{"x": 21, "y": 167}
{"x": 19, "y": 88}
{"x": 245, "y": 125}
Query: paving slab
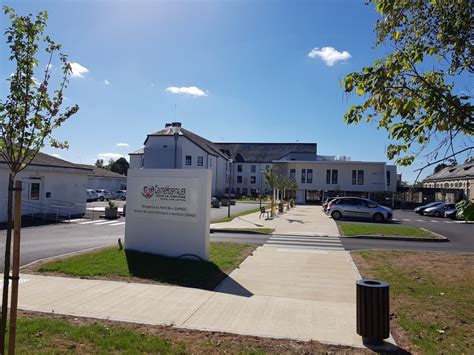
{"x": 140, "y": 303}
{"x": 278, "y": 317}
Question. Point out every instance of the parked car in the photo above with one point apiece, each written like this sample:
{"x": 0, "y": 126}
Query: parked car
{"x": 103, "y": 195}
{"x": 356, "y": 207}
{"x": 438, "y": 210}
{"x": 225, "y": 201}
{"x": 91, "y": 195}
{"x": 452, "y": 213}
{"x": 215, "y": 203}
{"x": 326, "y": 203}
{"x": 420, "y": 209}
{"x": 121, "y": 195}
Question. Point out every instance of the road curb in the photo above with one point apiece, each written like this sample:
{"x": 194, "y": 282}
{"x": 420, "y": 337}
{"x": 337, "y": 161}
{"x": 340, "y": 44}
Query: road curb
{"x": 441, "y": 238}
{"x": 236, "y": 231}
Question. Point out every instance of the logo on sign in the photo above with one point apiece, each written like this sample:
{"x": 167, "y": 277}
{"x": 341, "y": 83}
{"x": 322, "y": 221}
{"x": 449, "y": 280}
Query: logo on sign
{"x": 148, "y": 191}
{"x": 164, "y": 193}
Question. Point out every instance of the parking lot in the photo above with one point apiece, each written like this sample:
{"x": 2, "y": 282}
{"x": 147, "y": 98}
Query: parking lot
{"x": 459, "y": 233}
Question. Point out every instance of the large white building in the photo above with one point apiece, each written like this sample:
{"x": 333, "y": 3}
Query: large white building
{"x": 51, "y": 186}
{"x": 239, "y": 167}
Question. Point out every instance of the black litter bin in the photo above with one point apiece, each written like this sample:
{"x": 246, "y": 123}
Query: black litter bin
{"x": 373, "y": 322}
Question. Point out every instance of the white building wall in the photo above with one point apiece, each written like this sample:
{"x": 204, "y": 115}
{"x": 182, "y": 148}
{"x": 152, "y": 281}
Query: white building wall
{"x": 107, "y": 183}
{"x": 159, "y": 154}
{"x": 136, "y": 161}
{"x": 57, "y": 186}
{"x": 246, "y": 177}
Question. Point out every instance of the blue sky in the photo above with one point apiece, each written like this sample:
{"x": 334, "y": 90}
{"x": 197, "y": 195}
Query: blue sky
{"x": 249, "y": 62}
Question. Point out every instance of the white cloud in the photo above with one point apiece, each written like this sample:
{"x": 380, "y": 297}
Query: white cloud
{"x": 49, "y": 66}
{"x": 56, "y": 155}
{"x": 122, "y": 145}
{"x": 78, "y": 70}
{"x": 106, "y": 82}
{"x": 329, "y": 55}
{"x": 190, "y": 90}
{"x": 108, "y": 156}
{"x": 152, "y": 85}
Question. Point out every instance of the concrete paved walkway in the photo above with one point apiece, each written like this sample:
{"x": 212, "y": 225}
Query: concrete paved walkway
{"x": 279, "y": 292}
{"x": 297, "y": 221}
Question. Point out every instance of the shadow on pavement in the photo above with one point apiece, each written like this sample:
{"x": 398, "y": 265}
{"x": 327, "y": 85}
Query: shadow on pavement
{"x": 387, "y": 348}
{"x": 181, "y": 272}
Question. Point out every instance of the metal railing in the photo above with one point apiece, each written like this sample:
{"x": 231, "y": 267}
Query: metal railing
{"x": 54, "y": 210}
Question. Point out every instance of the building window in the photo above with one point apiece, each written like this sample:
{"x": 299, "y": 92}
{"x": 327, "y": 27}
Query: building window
{"x": 253, "y": 168}
{"x": 210, "y": 162}
{"x": 189, "y": 160}
{"x": 267, "y": 167}
{"x": 334, "y": 177}
{"x": 309, "y": 176}
{"x": 239, "y": 168}
{"x": 244, "y": 191}
{"x": 200, "y": 161}
{"x": 253, "y": 180}
{"x": 354, "y": 177}
{"x": 34, "y": 191}
{"x": 239, "y": 179}
{"x": 328, "y": 176}
{"x": 360, "y": 177}
{"x": 388, "y": 178}
{"x": 292, "y": 173}
{"x": 303, "y": 176}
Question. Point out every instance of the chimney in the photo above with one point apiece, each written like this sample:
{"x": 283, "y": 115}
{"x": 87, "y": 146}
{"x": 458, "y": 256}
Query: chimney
{"x": 167, "y": 125}
{"x": 176, "y": 124}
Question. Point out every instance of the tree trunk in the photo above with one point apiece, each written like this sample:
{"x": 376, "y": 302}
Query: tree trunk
{"x": 6, "y": 268}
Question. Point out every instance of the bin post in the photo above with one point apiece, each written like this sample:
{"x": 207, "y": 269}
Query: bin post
{"x": 373, "y": 322}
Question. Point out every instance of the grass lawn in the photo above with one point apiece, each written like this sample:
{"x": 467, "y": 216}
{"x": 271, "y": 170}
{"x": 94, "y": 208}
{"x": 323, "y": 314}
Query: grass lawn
{"x": 351, "y": 229}
{"x": 431, "y": 296}
{"x": 259, "y": 230}
{"x": 110, "y": 263}
{"x": 55, "y": 334}
{"x": 228, "y": 219}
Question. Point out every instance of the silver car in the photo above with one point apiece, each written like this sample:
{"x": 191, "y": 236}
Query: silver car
{"x": 438, "y": 210}
{"x": 121, "y": 195}
{"x": 356, "y": 207}
{"x": 103, "y": 194}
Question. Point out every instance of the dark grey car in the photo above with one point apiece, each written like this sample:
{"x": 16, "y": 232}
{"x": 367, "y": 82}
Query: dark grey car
{"x": 356, "y": 207}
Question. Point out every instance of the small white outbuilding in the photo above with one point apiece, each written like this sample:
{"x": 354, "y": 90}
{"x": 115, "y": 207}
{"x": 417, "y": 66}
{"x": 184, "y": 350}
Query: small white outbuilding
{"x": 50, "y": 186}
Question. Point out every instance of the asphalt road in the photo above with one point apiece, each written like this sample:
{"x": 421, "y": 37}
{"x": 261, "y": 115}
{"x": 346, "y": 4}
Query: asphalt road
{"x": 460, "y": 235}
{"x": 57, "y": 239}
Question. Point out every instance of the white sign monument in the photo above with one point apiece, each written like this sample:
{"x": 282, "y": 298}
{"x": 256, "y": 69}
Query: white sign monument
{"x": 168, "y": 211}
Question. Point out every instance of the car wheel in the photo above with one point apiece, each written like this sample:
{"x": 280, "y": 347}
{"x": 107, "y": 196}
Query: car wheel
{"x": 101, "y": 198}
{"x": 437, "y": 214}
{"x": 123, "y": 198}
{"x": 336, "y": 215}
{"x": 378, "y": 217}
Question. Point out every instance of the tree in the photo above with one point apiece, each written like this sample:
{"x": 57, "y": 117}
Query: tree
{"x": 30, "y": 113}
{"x": 120, "y": 166}
{"x": 411, "y": 92}
{"x": 99, "y": 163}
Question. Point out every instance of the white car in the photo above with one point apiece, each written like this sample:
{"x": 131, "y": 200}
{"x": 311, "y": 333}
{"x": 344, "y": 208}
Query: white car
{"x": 91, "y": 195}
{"x": 103, "y": 195}
{"x": 121, "y": 195}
